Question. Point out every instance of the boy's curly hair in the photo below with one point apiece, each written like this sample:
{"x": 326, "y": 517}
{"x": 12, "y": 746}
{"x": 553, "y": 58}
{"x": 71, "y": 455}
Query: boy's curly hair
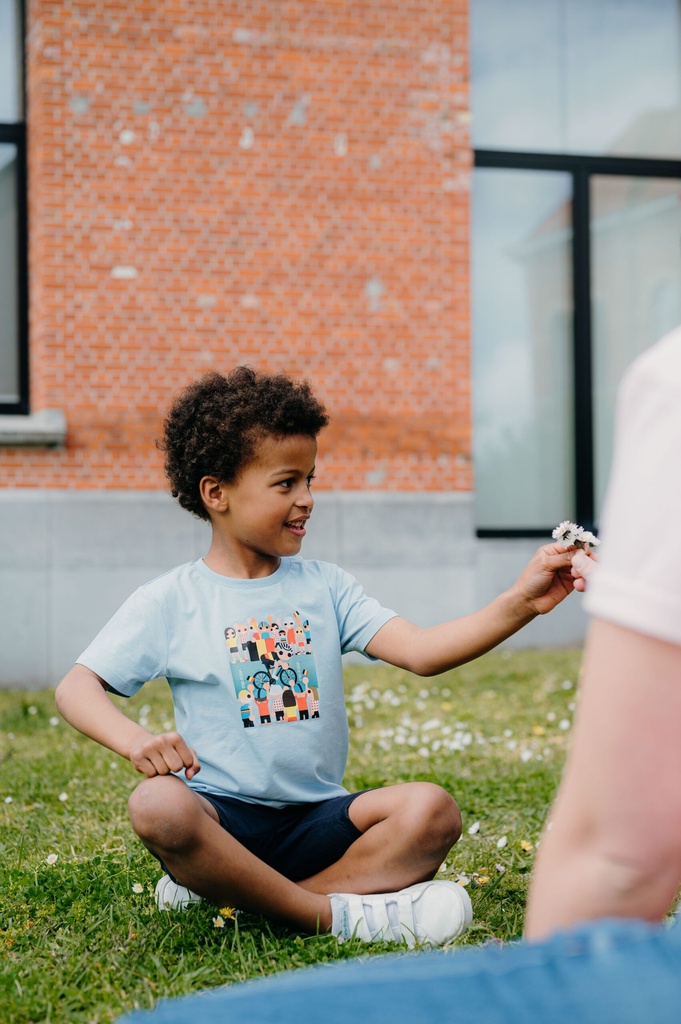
{"x": 213, "y": 426}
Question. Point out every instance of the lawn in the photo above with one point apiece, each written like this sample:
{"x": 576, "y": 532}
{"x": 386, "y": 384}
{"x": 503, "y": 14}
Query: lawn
{"x": 81, "y": 943}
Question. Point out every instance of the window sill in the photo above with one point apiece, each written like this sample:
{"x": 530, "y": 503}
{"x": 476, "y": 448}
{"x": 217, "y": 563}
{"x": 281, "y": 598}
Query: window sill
{"x": 44, "y": 429}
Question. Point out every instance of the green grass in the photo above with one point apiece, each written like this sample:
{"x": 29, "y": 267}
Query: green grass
{"x": 79, "y": 945}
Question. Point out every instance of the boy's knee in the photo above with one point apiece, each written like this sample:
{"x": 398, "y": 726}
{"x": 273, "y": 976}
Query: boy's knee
{"x": 156, "y": 810}
{"x": 438, "y": 814}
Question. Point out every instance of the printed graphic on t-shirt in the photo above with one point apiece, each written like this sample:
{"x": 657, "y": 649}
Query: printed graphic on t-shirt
{"x": 273, "y": 670}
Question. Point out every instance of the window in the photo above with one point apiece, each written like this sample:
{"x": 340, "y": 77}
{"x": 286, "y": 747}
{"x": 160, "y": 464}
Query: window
{"x": 13, "y": 219}
{"x": 576, "y": 226}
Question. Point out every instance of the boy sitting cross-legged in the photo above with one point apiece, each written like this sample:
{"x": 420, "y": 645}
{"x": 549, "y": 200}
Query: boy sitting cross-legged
{"x": 243, "y": 805}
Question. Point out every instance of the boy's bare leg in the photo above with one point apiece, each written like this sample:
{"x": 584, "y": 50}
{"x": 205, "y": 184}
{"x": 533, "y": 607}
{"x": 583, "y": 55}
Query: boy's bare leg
{"x": 181, "y": 828}
{"x": 408, "y": 829}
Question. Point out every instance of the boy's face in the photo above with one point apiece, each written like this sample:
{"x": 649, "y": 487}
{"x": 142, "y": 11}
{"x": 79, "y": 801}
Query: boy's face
{"x": 270, "y": 502}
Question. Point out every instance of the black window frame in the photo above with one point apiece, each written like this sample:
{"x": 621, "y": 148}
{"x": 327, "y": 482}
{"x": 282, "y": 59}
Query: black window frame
{"x": 14, "y": 133}
{"x": 581, "y": 168}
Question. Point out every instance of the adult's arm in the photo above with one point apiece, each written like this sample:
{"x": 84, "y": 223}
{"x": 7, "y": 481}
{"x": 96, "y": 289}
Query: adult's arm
{"x": 614, "y": 846}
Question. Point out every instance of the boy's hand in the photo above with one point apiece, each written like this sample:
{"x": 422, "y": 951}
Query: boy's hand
{"x": 546, "y": 579}
{"x": 161, "y": 755}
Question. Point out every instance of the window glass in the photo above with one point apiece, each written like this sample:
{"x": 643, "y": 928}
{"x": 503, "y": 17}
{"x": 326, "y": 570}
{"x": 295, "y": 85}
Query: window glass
{"x": 11, "y": 62}
{"x": 635, "y": 287}
{"x": 577, "y": 76}
{"x": 9, "y": 370}
{"x": 522, "y": 325}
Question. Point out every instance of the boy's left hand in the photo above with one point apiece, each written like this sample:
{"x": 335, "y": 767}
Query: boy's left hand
{"x": 546, "y": 579}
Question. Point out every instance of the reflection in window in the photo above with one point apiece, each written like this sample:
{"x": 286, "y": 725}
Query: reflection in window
{"x": 11, "y": 70}
{"x": 577, "y": 76}
{"x": 635, "y": 286}
{"x": 522, "y": 323}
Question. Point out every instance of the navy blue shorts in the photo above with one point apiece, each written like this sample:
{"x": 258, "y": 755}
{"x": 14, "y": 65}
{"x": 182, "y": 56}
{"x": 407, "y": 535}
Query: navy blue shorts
{"x": 298, "y": 841}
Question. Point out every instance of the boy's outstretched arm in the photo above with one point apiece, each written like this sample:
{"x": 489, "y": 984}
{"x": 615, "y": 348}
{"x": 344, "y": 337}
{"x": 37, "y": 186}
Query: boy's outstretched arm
{"x": 543, "y": 584}
{"x": 82, "y": 700}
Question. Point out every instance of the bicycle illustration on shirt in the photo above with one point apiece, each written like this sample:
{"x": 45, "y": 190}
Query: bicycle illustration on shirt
{"x": 273, "y": 670}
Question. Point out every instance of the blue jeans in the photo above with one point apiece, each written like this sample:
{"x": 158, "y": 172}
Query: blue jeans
{"x": 624, "y": 972}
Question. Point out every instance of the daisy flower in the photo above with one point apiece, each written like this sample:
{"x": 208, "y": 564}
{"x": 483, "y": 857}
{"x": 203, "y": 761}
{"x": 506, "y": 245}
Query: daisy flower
{"x": 138, "y": 887}
{"x": 51, "y": 858}
{"x": 219, "y": 921}
{"x": 573, "y": 535}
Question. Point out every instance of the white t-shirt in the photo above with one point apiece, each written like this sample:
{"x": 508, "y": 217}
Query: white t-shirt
{"x": 255, "y": 671}
{"x": 638, "y": 581}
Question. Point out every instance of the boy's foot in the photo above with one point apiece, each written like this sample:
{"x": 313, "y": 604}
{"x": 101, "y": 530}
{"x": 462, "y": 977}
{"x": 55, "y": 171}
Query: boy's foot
{"x": 430, "y": 913}
{"x": 173, "y": 896}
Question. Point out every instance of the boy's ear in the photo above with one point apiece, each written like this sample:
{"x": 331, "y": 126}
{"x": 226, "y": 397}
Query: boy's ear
{"x": 213, "y": 494}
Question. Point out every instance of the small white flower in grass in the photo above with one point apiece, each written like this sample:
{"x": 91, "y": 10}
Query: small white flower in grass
{"x": 63, "y": 797}
{"x": 219, "y": 921}
{"x": 54, "y": 720}
{"x": 10, "y": 735}
{"x": 443, "y": 867}
{"x": 501, "y": 843}
{"x": 33, "y": 710}
{"x": 51, "y": 858}
{"x": 8, "y": 799}
{"x": 567, "y": 684}
{"x": 475, "y": 827}
{"x": 564, "y": 723}
{"x": 462, "y": 879}
{"x": 500, "y": 868}
{"x": 138, "y": 887}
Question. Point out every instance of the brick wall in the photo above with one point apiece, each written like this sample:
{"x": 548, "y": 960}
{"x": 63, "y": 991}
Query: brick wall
{"x": 279, "y": 183}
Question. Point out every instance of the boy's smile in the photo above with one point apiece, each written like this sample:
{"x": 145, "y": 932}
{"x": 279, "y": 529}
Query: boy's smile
{"x": 262, "y": 515}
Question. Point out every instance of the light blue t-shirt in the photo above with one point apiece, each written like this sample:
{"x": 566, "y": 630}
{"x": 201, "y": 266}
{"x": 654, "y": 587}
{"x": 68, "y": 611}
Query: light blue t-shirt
{"x": 255, "y": 671}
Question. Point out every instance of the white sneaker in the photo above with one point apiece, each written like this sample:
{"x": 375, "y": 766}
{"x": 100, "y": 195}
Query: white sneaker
{"x": 431, "y": 913}
{"x": 172, "y": 896}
